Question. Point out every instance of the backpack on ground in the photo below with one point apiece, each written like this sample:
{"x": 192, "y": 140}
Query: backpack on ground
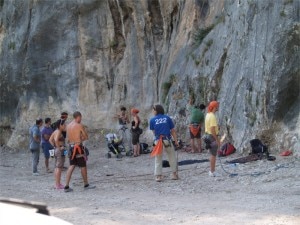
{"x": 144, "y": 147}
{"x": 226, "y": 149}
{"x": 258, "y": 147}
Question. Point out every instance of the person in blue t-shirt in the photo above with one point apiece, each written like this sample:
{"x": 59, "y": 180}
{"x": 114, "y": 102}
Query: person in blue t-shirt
{"x": 162, "y": 125}
{"x": 34, "y": 145}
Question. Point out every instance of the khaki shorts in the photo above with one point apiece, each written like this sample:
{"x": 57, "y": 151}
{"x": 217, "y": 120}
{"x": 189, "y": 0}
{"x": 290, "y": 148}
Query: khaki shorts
{"x": 59, "y": 158}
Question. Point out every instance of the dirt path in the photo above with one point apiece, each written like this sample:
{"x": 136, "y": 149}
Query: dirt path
{"x": 126, "y": 192}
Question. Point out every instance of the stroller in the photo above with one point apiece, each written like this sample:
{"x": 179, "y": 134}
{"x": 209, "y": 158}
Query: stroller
{"x": 116, "y": 146}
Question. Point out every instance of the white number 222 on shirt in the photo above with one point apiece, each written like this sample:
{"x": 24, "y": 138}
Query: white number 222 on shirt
{"x": 161, "y": 120}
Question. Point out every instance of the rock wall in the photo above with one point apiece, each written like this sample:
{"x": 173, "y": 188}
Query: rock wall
{"x": 96, "y": 55}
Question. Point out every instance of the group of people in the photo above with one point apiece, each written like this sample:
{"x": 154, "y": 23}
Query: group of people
{"x": 53, "y": 136}
{"x": 197, "y": 120}
{"x": 161, "y": 125}
{"x": 135, "y": 130}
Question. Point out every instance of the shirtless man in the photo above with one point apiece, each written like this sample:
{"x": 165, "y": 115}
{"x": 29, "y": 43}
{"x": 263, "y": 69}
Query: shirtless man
{"x": 76, "y": 134}
{"x": 122, "y": 117}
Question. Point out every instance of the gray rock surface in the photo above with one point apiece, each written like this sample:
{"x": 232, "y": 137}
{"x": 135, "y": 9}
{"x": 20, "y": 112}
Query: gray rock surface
{"x": 94, "y": 56}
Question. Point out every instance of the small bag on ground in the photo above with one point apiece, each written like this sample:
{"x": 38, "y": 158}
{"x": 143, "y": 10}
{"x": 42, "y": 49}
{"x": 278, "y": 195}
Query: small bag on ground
{"x": 226, "y": 149}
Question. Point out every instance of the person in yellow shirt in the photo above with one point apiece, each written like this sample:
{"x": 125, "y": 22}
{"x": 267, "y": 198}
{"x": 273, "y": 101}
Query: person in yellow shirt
{"x": 212, "y": 131}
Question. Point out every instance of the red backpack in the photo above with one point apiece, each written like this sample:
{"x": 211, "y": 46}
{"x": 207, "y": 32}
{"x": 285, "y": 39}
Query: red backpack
{"x": 226, "y": 149}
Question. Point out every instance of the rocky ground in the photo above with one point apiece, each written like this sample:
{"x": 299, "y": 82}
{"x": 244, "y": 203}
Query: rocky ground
{"x": 264, "y": 192}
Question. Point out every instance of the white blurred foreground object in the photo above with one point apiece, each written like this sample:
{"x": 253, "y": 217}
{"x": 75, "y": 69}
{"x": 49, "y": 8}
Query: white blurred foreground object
{"x": 15, "y": 212}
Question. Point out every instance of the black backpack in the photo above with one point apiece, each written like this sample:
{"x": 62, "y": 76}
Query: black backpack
{"x": 258, "y": 147}
{"x": 144, "y": 148}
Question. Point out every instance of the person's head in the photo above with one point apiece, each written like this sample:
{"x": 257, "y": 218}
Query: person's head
{"x": 202, "y": 106}
{"x": 213, "y": 106}
{"x": 47, "y": 121}
{"x": 39, "y": 122}
{"x": 123, "y": 109}
{"x": 134, "y": 111}
{"x": 77, "y": 116}
{"x": 61, "y": 125}
{"x": 158, "y": 109}
{"x": 64, "y": 115}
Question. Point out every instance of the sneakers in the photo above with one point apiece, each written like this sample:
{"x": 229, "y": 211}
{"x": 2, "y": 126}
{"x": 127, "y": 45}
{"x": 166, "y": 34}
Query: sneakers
{"x": 88, "y": 186}
{"x": 59, "y": 187}
{"x": 212, "y": 174}
{"x": 35, "y": 174}
{"x": 67, "y": 189}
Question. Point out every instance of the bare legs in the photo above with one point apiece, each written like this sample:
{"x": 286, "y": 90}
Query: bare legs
{"x": 194, "y": 147}
{"x": 69, "y": 174}
{"x": 199, "y": 145}
{"x": 83, "y": 174}
{"x": 136, "y": 149}
{"x": 57, "y": 174}
{"x": 47, "y": 164}
{"x": 212, "y": 163}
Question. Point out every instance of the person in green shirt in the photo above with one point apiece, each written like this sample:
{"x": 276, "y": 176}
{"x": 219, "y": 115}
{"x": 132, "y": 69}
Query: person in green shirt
{"x": 196, "y": 119}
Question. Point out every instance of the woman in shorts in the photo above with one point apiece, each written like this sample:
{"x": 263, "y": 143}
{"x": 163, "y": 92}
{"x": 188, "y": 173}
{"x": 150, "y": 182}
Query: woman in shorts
{"x": 58, "y": 141}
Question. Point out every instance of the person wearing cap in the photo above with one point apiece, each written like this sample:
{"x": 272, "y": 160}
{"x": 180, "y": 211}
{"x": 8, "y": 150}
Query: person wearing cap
{"x": 136, "y": 132}
{"x": 34, "y": 145}
{"x": 212, "y": 132}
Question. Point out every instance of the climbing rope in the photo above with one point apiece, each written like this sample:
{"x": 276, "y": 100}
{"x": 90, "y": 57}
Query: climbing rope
{"x": 256, "y": 174}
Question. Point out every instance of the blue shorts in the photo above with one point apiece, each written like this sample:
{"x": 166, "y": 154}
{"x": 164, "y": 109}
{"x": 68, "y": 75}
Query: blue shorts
{"x": 46, "y": 147}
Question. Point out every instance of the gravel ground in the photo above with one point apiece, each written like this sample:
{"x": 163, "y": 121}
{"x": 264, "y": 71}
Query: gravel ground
{"x": 263, "y": 192}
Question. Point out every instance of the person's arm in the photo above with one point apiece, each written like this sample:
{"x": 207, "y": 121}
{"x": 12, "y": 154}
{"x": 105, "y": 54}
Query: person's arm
{"x": 126, "y": 119}
{"x": 136, "y": 121}
{"x": 46, "y": 136}
{"x": 117, "y": 116}
{"x": 214, "y": 134}
{"x": 51, "y": 139}
{"x": 174, "y": 135}
{"x": 84, "y": 135}
{"x": 36, "y": 137}
{"x": 56, "y": 139}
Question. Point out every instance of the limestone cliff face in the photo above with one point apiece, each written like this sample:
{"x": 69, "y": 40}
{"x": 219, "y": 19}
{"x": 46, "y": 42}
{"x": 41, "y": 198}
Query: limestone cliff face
{"x": 95, "y": 55}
